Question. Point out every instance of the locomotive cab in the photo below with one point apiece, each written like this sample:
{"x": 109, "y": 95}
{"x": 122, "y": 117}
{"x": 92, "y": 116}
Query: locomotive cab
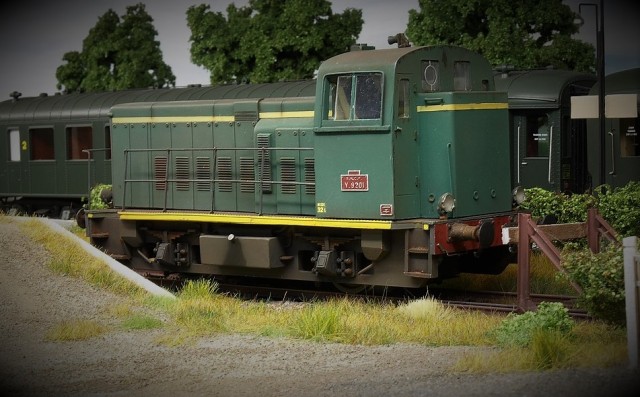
{"x": 439, "y": 127}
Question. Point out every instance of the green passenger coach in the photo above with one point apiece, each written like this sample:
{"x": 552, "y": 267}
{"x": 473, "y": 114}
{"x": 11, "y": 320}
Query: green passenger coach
{"x": 396, "y": 172}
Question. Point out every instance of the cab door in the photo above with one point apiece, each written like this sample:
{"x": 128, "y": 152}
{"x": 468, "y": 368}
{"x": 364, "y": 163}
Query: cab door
{"x": 405, "y": 149}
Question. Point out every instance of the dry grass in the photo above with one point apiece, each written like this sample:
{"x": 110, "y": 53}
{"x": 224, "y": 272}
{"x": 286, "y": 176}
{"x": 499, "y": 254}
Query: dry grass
{"x": 71, "y": 259}
{"x": 76, "y": 330}
{"x": 200, "y": 310}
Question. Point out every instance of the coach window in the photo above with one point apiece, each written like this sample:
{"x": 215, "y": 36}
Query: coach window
{"x": 78, "y": 139}
{"x": 629, "y": 141}
{"x": 14, "y": 145}
{"x": 430, "y": 76}
{"x": 41, "y": 144}
{"x": 537, "y": 136}
{"x": 461, "y": 76}
{"x": 107, "y": 142}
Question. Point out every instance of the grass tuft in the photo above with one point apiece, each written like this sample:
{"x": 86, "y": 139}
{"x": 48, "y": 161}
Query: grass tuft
{"x": 75, "y": 330}
{"x": 141, "y": 321}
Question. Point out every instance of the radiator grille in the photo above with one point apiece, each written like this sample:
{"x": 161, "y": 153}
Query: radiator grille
{"x": 224, "y": 174}
{"x": 203, "y": 171}
{"x": 160, "y": 172}
{"x": 247, "y": 174}
{"x": 182, "y": 168}
{"x": 265, "y": 163}
{"x": 309, "y": 175}
{"x": 288, "y": 174}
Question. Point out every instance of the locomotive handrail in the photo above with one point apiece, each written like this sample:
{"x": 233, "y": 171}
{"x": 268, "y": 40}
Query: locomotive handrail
{"x": 258, "y": 183}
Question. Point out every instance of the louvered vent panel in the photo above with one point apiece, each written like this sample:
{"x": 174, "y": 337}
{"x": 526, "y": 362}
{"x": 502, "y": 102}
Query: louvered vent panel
{"x": 264, "y": 142}
{"x": 182, "y": 173}
{"x": 224, "y": 174}
{"x": 160, "y": 172}
{"x": 309, "y": 175}
{"x": 288, "y": 174}
{"x": 247, "y": 174}
{"x": 203, "y": 172}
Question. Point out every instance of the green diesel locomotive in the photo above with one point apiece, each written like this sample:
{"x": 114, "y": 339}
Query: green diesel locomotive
{"x": 396, "y": 172}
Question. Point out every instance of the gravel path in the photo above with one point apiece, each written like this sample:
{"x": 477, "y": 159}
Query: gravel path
{"x": 130, "y": 363}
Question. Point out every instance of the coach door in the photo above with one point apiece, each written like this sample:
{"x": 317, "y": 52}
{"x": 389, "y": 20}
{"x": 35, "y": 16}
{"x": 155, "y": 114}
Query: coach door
{"x": 16, "y": 172}
{"x": 574, "y": 175}
{"x": 622, "y": 151}
{"x": 534, "y": 160}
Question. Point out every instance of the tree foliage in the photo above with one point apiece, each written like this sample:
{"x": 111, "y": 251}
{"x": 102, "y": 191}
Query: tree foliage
{"x": 117, "y": 54}
{"x": 525, "y": 34}
{"x": 269, "y": 40}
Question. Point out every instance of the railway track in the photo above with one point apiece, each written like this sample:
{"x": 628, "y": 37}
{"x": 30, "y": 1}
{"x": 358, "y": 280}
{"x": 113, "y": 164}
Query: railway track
{"x": 487, "y": 301}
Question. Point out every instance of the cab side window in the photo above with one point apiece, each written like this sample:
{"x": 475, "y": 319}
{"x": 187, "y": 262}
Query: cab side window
{"x": 354, "y": 97}
{"x": 342, "y": 109}
{"x": 461, "y": 76}
{"x": 403, "y": 98}
{"x": 368, "y": 96}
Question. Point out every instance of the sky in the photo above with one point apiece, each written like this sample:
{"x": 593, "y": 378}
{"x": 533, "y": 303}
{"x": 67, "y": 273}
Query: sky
{"x": 36, "y": 34}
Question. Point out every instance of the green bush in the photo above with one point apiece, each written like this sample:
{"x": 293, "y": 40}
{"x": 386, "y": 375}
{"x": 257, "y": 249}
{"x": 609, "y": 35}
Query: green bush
{"x": 574, "y": 208}
{"x": 601, "y": 276}
{"x": 620, "y": 207}
{"x": 97, "y": 199}
{"x": 519, "y": 329}
{"x": 541, "y": 202}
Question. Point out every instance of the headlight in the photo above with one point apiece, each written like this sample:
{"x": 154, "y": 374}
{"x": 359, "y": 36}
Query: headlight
{"x": 447, "y": 203}
{"x": 518, "y": 195}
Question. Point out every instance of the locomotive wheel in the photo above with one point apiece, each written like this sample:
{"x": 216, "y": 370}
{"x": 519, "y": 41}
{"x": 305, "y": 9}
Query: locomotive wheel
{"x": 80, "y": 219}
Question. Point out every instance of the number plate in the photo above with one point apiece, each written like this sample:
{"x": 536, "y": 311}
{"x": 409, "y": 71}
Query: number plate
{"x": 353, "y": 181}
